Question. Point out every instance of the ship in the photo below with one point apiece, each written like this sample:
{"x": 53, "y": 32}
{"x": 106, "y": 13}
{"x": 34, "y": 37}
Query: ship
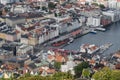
{"x": 70, "y": 40}
{"x": 89, "y": 48}
{"x": 104, "y": 47}
{"x": 93, "y": 31}
{"x": 62, "y": 42}
{"x": 101, "y": 29}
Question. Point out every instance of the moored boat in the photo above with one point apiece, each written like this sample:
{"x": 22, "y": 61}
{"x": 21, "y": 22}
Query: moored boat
{"x": 104, "y": 47}
{"x": 101, "y": 29}
{"x": 70, "y": 40}
{"x": 93, "y": 31}
{"x": 89, "y": 48}
{"x": 62, "y": 42}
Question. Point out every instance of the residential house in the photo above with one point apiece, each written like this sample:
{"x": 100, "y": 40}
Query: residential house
{"x": 46, "y": 71}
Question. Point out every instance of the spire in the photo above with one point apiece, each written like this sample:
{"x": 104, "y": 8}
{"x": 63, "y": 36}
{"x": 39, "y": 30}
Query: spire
{"x": 70, "y": 57}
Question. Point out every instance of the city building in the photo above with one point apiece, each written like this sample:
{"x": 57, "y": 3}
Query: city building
{"x": 13, "y": 21}
{"x": 8, "y": 1}
{"x": 24, "y": 50}
{"x": 8, "y": 33}
{"x": 93, "y": 21}
{"x": 114, "y": 14}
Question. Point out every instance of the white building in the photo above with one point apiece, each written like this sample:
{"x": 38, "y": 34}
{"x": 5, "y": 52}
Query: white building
{"x": 93, "y": 21}
{"x": 112, "y": 3}
{"x": 24, "y": 50}
{"x": 46, "y": 35}
{"x": 68, "y": 67}
{"x": 20, "y": 9}
{"x": 115, "y": 15}
{"x": 8, "y": 1}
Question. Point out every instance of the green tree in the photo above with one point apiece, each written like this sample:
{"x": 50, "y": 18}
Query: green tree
{"x": 51, "y": 5}
{"x": 55, "y": 14}
{"x": 86, "y": 73}
{"x": 44, "y": 8}
{"x": 56, "y": 76}
{"x": 57, "y": 65}
{"x": 78, "y": 69}
{"x": 0, "y": 15}
{"x": 115, "y": 75}
{"x": 101, "y": 6}
{"x": 96, "y": 4}
{"x": 104, "y": 74}
{"x": 62, "y": 76}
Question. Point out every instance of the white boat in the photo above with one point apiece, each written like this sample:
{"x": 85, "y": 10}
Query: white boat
{"x": 88, "y": 48}
{"x": 104, "y": 47}
{"x": 93, "y": 31}
{"x": 71, "y": 40}
{"x": 101, "y": 29}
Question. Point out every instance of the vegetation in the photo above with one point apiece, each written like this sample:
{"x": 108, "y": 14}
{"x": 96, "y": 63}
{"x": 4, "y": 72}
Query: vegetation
{"x": 96, "y": 4}
{"x": 56, "y": 76}
{"x": 103, "y": 74}
{"x": 57, "y": 65}
{"x": 51, "y": 5}
{"x": 101, "y": 6}
{"x": 86, "y": 73}
{"x": 55, "y": 14}
{"x": 44, "y": 8}
{"x": 79, "y": 68}
{"x": 107, "y": 74}
{"x": 0, "y": 15}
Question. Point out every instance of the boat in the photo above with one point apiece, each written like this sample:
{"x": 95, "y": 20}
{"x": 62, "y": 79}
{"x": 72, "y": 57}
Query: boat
{"x": 60, "y": 42}
{"x": 101, "y": 29}
{"x": 104, "y": 47}
{"x": 93, "y": 31}
{"x": 70, "y": 40}
{"x": 89, "y": 48}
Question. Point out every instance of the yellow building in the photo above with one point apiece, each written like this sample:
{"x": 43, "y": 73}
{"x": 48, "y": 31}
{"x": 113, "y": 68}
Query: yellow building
{"x": 33, "y": 41}
{"x": 2, "y": 35}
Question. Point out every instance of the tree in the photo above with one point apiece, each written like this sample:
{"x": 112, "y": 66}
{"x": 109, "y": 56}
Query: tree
{"x": 62, "y": 76}
{"x": 101, "y": 6}
{"x": 57, "y": 65}
{"x": 56, "y": 76}
{"x": 115, "y": 75}
{"x": 51, "y": 5}
{"x": 104, "y": 74}
{"x": 44, "y": 8}
{"x": 86, "y": 73}
{"x": 107, "y": 74}
{"x": 0, "y": 15}
{"x": 55, "y": 14}
{"x": 96, "y": 4}
{"x": 78, "y": 69}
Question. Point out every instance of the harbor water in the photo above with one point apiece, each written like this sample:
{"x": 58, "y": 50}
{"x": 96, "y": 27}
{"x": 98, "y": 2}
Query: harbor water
{"x": 111, "y": 35}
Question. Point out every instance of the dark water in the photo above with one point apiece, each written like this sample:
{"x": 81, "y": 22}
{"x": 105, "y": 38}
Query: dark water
{"x": 112, "y": 35}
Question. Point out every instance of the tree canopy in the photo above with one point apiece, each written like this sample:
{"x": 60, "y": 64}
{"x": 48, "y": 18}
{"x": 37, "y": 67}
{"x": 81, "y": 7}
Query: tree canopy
{"x": 56, "y": 76}
{"x": 57, "y": 65}
{"x": 51, "y": 5}
{"x": 78, "y": 69}
{"x": 107, "y": 74}
{"x": 86, "y": 73}
{"x": 101, "y": 6}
